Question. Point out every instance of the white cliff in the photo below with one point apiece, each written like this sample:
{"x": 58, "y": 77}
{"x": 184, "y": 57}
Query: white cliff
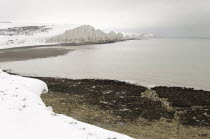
{"x": 85, "y": 34}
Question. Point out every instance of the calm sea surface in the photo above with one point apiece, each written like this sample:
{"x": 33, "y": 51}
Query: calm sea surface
{"x": 179, "y": 62}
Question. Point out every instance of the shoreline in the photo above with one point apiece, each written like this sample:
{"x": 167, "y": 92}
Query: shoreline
{"x": 21, "y": 54}
{"x": 131, "y": 109}
{"x": 40, "y": 51}
{"x": 65, "y": 44}
{"x": 45, "y": 51}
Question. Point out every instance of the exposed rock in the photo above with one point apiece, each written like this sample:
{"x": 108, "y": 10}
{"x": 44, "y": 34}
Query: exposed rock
{"x": 193, "y": 106}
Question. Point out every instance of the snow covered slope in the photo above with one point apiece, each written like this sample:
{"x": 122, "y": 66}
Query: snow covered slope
{"x": 25, "y": 116}
{"x": 29, "y": 34}
{"x": 85, "y": 34}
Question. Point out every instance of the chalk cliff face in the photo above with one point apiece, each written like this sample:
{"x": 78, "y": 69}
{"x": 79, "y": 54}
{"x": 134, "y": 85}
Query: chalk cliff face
{"x": 85, "y": 34}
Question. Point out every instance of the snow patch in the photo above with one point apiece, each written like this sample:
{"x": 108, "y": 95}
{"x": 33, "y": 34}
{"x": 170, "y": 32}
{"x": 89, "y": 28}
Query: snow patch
{"x": 24, "y": 115}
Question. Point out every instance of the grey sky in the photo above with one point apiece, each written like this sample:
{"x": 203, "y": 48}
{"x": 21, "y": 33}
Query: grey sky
{"x": 162, "y": 17}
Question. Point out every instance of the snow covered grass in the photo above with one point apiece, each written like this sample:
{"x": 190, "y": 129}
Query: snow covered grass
{"x": 24, "y": 115}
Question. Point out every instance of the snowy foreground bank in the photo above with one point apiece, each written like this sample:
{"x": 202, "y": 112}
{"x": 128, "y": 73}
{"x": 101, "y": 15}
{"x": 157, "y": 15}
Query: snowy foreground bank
{"x": 24, "y": 115}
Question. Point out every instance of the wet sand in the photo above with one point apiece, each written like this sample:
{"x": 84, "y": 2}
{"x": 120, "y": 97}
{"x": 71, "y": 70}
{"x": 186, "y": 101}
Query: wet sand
{"x": 20, "y": 54}
{"x": 40, "y": 51}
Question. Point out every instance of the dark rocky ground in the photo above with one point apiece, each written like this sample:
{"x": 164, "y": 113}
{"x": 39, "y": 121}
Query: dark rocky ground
{"x": 132, "y": 109}
{"x": 160, "y": 112}
{"x": 193, "y": 105}
{"x": 123, "y": 99}
{"x": 127, "y": 100}
{"x": 25, "y": 30}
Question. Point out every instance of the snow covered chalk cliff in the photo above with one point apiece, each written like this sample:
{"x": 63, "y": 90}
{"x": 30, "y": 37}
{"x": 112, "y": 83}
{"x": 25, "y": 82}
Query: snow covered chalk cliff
{"x": 85, "y": 34}
{"x": 25, "y": 116}
{"x": 31, "y": 34}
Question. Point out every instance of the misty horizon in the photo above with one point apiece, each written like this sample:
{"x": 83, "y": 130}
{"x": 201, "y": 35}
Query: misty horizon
{"x": 189, "y": 18}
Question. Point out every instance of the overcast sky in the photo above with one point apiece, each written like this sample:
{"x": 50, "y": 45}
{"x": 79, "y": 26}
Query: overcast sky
{"x": 161, "y": 17}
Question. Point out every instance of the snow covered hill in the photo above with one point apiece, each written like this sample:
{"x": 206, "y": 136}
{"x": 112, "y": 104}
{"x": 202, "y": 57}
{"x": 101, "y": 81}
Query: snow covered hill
{"x": 25, "y": 116}
{"x": 85, "y": 34}
{"x": 29, "y": 34}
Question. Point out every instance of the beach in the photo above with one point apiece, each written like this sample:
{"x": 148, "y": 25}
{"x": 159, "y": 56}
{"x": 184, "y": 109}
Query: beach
{"x": 154, "y": 62}
{"x": 20, "y": 54}
{"x": 130, "y": 108}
